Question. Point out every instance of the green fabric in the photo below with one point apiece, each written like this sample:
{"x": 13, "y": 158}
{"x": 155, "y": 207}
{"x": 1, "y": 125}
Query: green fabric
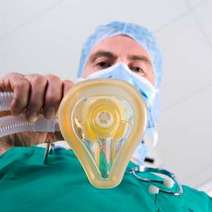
{"x": 29, "y": 185}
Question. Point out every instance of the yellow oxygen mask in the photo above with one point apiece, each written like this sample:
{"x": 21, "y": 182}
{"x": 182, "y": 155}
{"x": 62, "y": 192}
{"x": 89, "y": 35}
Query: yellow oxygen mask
{"x": 103, "y": 121}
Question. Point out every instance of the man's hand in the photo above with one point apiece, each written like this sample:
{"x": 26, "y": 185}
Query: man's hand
{"x": 35, "y": 94}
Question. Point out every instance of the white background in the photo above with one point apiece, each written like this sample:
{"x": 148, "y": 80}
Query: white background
{"x": 46, "y": 36}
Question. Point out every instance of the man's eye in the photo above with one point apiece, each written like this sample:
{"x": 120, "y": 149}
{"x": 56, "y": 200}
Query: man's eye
{"x": 103, "y": 64}
{"x": 137, "y": 69}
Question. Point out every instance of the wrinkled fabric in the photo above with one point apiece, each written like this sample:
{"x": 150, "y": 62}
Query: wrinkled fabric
{"x": 29, "y": 185}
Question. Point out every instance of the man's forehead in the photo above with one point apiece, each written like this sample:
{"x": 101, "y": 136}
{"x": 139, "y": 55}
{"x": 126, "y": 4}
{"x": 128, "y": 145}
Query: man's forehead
{"x": 118, "y": 42}
{"x": 118, "y": 45}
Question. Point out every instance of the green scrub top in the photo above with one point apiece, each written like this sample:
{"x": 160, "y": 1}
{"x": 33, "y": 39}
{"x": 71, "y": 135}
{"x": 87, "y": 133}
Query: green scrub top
{"x": 60, "y": 185}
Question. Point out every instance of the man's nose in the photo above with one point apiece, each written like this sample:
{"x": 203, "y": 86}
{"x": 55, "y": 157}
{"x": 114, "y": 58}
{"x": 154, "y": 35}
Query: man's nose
{"x": 123, "y": 60}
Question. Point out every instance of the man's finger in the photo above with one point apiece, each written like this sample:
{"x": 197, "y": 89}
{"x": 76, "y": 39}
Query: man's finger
{"x": 53, "y": 96}
{"x": 17, "y": 84}
{"x": 38, "y": 85}
{"x": 67, "y": 85}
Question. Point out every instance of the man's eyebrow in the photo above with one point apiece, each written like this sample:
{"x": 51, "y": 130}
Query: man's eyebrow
{"x": 140, "y": 58}
{"x": 101, "y": 53}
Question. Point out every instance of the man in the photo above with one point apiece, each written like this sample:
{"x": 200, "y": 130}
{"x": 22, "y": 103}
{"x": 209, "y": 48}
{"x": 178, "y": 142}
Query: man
{"x": 61, "y": 184}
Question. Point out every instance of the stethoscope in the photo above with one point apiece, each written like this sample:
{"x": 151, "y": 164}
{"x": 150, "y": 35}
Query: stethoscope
{"x": 169, "y": 180}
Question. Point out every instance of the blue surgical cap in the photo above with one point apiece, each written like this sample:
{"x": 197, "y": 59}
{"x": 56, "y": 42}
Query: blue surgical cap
{"x": 140, "y": 34}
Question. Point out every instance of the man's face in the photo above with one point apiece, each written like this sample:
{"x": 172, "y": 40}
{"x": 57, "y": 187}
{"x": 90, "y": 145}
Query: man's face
{"x": 120, "y": 49}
